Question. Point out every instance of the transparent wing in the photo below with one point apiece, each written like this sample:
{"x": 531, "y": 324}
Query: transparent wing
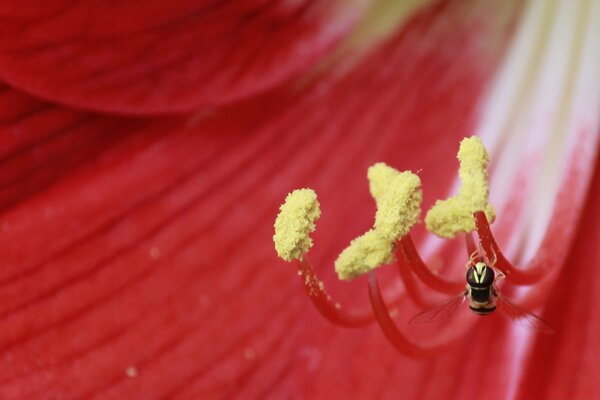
{"x": 520, "y": 316}
{"x": 440, "y": 313}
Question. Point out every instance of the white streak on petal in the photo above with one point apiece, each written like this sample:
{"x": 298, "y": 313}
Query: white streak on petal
{"x": 543, "y": 106}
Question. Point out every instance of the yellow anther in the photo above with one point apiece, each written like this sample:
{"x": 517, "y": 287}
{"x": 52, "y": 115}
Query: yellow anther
{"x": 295, "y": 222}
{"x": 449, "y": 217}
{"x": 364, "y": 254}
{"x": 399, "y": 207}
{"x": 398, "y": 197}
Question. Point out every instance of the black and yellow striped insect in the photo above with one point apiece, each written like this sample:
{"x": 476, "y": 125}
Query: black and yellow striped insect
{"x": 484, "y": 298}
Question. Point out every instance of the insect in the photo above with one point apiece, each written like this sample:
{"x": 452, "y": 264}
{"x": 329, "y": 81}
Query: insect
{"x": 484, "y": 298}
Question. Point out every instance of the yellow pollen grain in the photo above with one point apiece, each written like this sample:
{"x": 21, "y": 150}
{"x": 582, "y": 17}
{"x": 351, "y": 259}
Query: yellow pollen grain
{"x": 449, "y": 217}
{"x": 295, "y": 222}
{"x": 154, "y": 253}
{"x": 364, "y": 254}
{"x": 131, "y": 371}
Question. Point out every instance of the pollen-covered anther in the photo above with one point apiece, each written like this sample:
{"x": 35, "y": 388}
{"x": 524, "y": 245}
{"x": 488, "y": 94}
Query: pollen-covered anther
{"x": 295, "y": 222}
{"x": 364, "y": 254}
{"x": 399, "y": 207}
{"x": 398, "y": 197}
{"x": 454, "y": 215}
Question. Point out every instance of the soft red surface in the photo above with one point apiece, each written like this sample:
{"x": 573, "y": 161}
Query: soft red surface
{"x": 146, "y": 242}
{"x": 163, "y": 56}
{"x": 567, "y": 366}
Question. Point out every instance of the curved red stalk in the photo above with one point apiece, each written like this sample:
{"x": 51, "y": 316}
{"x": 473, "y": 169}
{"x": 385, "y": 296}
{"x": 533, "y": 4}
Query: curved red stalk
{"x": 410, "y": 283}
{"x": 492, "y": 250}
{"x": 325, "y": 304}
{"x": 391, "y": 332}
{"x": 429, "y": 278}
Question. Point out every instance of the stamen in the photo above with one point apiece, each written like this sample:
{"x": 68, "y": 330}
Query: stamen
{"x": 325, "y": 304}
{"x": 492, "y": 250}
{"x": 410, "y": 254}
{"x": 449, "y": 217}
{"x": 295, "y": 222}
{"x": 398, "y": 197}
{"x": 391, "y": 332}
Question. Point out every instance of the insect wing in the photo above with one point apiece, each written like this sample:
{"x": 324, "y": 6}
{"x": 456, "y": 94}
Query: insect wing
{"x": 521, "y": 316}
{"x": 440, "y": 313}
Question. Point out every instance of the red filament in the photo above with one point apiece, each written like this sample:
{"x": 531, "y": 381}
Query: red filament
{"x": 410, "y": 283}
{"x": 387, "y": 325}
{"x": 492, "y": 250}
{"x": 325, "y": 304}
{"x": 429, "y": 278}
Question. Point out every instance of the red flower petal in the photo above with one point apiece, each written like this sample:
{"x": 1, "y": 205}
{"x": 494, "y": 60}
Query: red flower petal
{"x": 570, "y": 366}
{"x": 144, "y": 245}
{"x": 166, "y": 56}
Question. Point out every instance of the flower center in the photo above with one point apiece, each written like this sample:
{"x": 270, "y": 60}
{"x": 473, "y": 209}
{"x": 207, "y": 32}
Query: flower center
{"x": 398, "y": 198}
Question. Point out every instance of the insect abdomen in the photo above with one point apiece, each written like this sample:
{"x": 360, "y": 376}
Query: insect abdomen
{"x": 480, "y": 295}
{"x": 481, "y": 303}
{"x": 482, "y": 310}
